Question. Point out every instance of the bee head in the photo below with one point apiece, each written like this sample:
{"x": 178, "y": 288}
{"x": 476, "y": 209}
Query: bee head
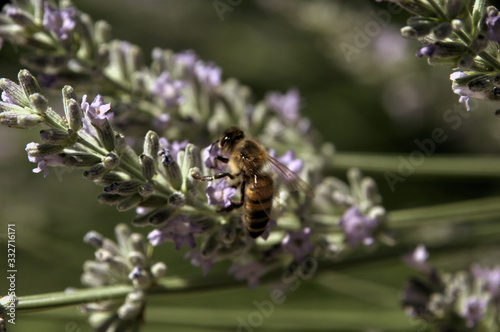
{"x": 229, "y": 139}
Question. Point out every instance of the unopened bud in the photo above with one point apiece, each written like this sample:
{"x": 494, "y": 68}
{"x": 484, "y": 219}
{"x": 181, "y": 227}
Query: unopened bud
{"x": 17, "y": 120}
{"x": 146, "y": 189}
{"x": 94, "y": 172}
{"x": 39, "y": 102}
{"x": 123, "y": 188}
{"x": 172, "y": 170}
{"x": 40, "y": 150}
{"x": 74, "y": 114}
{"x": 151, "y": 145}
{"x": 148, "y": 166}
{"x": 158, "y": 270}
{"x": 109, "y": 199}
{"x": 111, "y": 160}
{"x": 54, "y": 136}
{"x": 129, "y": 203}
{"x": 105, "y": 134}
{"x": 28, "y": 83}
{"x": 14, "y": 92}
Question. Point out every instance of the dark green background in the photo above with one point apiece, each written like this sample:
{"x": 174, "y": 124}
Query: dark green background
{"x": 346, "y": 102}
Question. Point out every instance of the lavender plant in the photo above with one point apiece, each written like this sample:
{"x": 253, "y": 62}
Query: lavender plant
{"x": 143, "y": 132}
{"x": 463, "y": 35}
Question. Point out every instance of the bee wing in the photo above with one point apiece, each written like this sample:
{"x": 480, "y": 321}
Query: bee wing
{"x": 291, "y": 179}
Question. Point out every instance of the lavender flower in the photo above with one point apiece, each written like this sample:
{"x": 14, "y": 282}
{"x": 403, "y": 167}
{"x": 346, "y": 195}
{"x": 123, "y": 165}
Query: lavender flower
{"x": 489, "y": 278}
{"x": 173, "y": 147}
{"x": 251, "y": 272}
{"x": 198, "y": 260}
{"x": 61, "y": 22}
{"x": 417, "y": 259}
{"x": 6, "y": 98}
{"x": 357, "y": 227}
{"x": 208, "y": 74}
{"x": 286, "y": 105}
{"x": 473, "y": 310}
{"x": 298, "y": 244}
{"x": 218, "y": 193}
{"x": 44, "y": 161}
{"x": 209, "y": 154}
{"x": 289, "y": 160}
{"x": 168, "y": 90}
{"x": 96, "y": 112}
{"x": 493, "y": 31}
{"x": 186, "y": 60}
{"x": 180, "y": 230}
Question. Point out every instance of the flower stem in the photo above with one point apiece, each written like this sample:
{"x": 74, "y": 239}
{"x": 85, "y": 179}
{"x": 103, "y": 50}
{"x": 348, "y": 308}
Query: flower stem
{"x": 452, "y": 165}
{"x": 471, "y": 210}
{"x": 166, "y": 285}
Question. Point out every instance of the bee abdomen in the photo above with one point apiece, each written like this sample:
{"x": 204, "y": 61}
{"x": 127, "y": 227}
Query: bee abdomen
{"x": 257, "y": 206}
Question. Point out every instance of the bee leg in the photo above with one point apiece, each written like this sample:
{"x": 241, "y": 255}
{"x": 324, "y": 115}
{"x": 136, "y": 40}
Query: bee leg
{"x": 221, "y": 159}
{"x": 217, "y": 176}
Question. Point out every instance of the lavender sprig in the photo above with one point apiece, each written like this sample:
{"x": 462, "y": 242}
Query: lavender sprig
{"x": 463, "y": 35}
{"x": 464, "y": 301}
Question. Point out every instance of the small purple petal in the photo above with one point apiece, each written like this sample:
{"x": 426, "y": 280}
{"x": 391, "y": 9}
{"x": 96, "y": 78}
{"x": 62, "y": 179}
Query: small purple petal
{"x": 44, "y": 161}
{"x": 197, "y": 259}
{"x": 173, "y": 147}
{"x": 218, "y": 193}
{"x": 493, "y": 31}
{"x": 96, "y": 112}
{"x": 250, "y": 272}
{"x": 298, "y": 244}
{"x": 208, "y": 74}
{"x": 473, "y": 310}
{"x": 61, "y": 22}
{"x": 180, "y": 230}
{"x": 286, "y": 105}
{"x": 168, "y": 90}
{"x": 357, "y": 227}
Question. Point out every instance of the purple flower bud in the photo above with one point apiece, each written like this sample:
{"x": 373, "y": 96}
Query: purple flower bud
{"x": 208, "y": 74}
{"x": 289, "y": 160}
{"x": 357, "y": 227}
{"x": 493, "y": 31}
{"x": 250, "y": 272}
{"x": 174, "y": 147}
{"x": 298, "y": 244}
{"x": 489, "y": 278}
{"x": 286, "y": 105}
{"x": 197, "y": 259}
{"x": 218, "y": 193}
{"x": 473, "y": 310}
{"x": 61, "y": 22}
{"x": 167, "y": 90}
{"x": 186, "y": 60}
{"x": 180, "y": 230}
{"x": 96, "y": 112}
{"x": 44, "y": 161}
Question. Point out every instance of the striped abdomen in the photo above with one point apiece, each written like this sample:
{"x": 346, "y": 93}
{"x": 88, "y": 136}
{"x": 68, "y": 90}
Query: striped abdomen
{"x": 257, "y": 204}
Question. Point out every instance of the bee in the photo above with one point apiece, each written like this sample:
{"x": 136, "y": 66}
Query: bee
{"x": 247, "y": 160}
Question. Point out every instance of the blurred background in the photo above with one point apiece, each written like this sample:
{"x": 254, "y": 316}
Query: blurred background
{"x": 363, "y": 93}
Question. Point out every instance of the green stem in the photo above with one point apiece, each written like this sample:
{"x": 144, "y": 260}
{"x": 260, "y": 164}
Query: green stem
{"x": 168, "y": 285}
{"x": 471, "y": 210}
{"x": 451, "y": 165}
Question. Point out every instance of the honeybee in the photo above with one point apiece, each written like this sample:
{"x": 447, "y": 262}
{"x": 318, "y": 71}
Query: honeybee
{"x": 247, "y": 162}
